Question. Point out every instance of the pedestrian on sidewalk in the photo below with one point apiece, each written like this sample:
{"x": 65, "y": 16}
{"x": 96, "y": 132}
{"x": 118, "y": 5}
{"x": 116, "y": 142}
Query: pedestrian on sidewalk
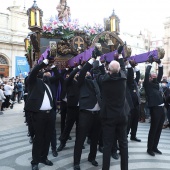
{"x": 2, "y": 97}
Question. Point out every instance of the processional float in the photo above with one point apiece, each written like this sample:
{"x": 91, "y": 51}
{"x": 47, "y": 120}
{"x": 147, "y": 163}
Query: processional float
{"x": 69, "y": 44}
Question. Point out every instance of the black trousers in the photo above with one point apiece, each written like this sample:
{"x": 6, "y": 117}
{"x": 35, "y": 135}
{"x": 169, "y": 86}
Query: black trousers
{"x": 168, "y": 114}
{"x": 3, "y": 106}
{"x": 28, "y": 116}
{"x": 43, "y": 126}
{"x": 63, "y": 113}
{"x": 101, "y": 138}
{"x": 7, "y": 101}
{"x": 133, "y": 122}
{"x": 19, "y": 96}
{"x": 142, "y": 111}
{"x": 115, "y": 146}
{"x": 87, "y": 121}
{"x": 115, "y": 128}
{"x": 72, "y": 117}
{"x": 54, "y": 133}
{"x": 157, "y": 120}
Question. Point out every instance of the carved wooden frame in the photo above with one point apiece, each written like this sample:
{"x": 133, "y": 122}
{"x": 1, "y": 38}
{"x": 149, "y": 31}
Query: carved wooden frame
{"x": 98, "y": 36}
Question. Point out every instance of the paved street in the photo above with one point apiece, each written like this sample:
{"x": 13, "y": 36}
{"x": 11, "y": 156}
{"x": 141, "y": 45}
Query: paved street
{"x": 15, "y": 150}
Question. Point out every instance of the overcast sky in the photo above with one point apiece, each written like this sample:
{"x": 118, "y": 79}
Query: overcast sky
{"x": 134, "y": 15}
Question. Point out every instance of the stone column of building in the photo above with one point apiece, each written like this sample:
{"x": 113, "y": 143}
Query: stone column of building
{"x": 13, "y": 30}
{"x": 166, "y": 60}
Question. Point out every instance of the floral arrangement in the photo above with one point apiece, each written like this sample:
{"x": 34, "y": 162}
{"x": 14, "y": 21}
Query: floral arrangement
{"x": 66, "y": 30}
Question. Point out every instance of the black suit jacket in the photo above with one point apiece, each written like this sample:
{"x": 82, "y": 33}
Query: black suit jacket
{"x": 154, "y": 95}
{"x": 36, "y": 89}
{"x": 25, "y": 85}
{"x": 63, "y": 83}
{"x": 114, "y": 103}
{"x": 133, "y": 85}
{"x": 87, "y": 97}
{"x": 129, "y": 98}
{"x": 72, "y": 89}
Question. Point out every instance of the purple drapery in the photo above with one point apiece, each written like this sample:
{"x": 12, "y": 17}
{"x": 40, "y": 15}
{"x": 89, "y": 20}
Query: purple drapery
{"x": 144, "y": 57}
{"x": 83, "y": 56}
{"x": 140, "y": 58}
{"x": 137, "y": 58}
{"x": 109, "y": 56}
{"x": 44, "y": 55}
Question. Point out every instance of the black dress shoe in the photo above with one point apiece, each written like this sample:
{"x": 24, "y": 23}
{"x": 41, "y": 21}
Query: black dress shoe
{"x": 35, "y": 167}
{"x": 115, "y": 156}
{"x": 157, "y": 151}
{"x": 93, "y": 162}
{"x": 60, "y": 148}
{"x": 55, "y": 153}
{"x": 47, "y": 162}
{"x": 100, "y": 149}
{"x": 76, "y": 167}
{"x": 135, "y": 139}
{"x": 150, "y": 152}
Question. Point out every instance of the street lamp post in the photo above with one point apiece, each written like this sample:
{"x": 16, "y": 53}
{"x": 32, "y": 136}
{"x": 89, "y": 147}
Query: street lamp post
{"x": 28, "y": 49}
{"x": 114, "y": 27}
{"x": 27, "y": 43}
{"x": 114, "y": 23}
{"x": 35, "y": 15}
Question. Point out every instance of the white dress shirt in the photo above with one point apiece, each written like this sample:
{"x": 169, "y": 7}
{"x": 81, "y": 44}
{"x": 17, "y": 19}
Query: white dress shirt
{"x": 46, "y": 101}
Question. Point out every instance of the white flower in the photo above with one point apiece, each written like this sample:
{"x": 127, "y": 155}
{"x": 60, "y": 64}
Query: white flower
{"x": 60, "y": 24}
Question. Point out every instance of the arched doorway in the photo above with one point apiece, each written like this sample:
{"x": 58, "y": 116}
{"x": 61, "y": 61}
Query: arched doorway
{"x": 4, "y": 68}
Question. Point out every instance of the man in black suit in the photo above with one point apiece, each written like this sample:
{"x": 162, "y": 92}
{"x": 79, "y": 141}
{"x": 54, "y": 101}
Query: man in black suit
{"x": 166, "y": 96}
{"x": 114, "y": 111}
{"x": 89, "y": 119}
{"x": 72, "y": 92}
{"x": 54, "y": 81}
{"x": 27, "y": 114}
{"x": 132, "y": 84}
{"x": 156, "y": 106}
{"x": 40, "y": 103}
{"x": 63, "y": 99}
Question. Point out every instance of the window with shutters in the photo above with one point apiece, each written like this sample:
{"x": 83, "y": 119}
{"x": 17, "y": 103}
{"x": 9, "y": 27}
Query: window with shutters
{"x": 3, "y": 60}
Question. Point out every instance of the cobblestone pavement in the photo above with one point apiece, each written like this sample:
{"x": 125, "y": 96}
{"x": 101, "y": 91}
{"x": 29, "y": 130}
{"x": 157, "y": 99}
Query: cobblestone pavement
{"x": 15, "y": 150}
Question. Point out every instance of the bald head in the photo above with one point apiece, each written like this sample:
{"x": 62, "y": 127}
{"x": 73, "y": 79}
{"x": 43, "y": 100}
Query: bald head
{"x": 114, "y": 67}
{"x": 48, "y": 74}
{"x": 152, "y": 76}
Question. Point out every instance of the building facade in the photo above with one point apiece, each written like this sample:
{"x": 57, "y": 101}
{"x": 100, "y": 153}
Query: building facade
{"x": 166, "y": 44}
{"x": 13, "y": 31}
{"x": 139, "y": 44}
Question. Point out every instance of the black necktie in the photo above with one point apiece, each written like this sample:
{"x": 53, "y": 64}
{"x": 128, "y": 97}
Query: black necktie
{"x": 97, "y": 91}
{"x": 49, "y": 95}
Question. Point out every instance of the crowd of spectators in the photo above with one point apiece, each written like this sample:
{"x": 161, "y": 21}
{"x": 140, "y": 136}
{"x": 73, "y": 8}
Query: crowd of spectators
{"x": 11, "y": 91}
{"x": 144, "y": 109}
